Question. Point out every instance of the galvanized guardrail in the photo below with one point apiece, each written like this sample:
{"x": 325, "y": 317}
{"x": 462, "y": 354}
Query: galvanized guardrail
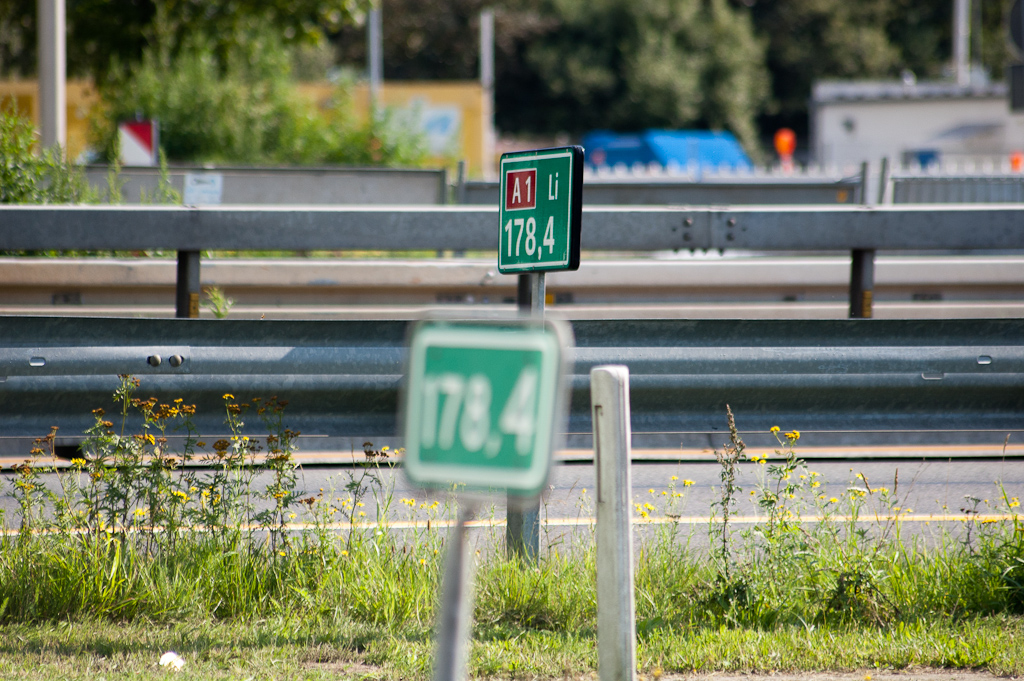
{"x": 946, "y": 189}
{"x": 728, "y": 191}
{"x": 341, "y": 379}
{"x": 859, "y": 229}
{"x": 619, "y": 228}
{"x": 329, "y": 185}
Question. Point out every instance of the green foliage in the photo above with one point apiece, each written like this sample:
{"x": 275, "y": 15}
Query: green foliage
{"x": 217, "y": 302}
{"x": 565, "y": 66}
{"x": 728, "y": 459}
{"x": 28, "y": 177}
{"x": 102, "y": 32}
{"x": 624, "y": 64}
{"x": 813, "y": 39}
{"x": 243, "y": 108}
{"x": 810, "y": 40}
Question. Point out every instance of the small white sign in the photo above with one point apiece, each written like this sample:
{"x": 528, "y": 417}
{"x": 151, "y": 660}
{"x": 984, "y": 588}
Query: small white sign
{"x": 203, "y": 189}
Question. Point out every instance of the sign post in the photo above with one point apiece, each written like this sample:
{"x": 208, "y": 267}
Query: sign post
{"x": 482, "y": 404}
{"x": 540, "y": 212}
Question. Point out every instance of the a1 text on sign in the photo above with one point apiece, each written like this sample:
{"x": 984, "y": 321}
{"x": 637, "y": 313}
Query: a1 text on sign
{"x": 481, "y": 404}
{"x": 540, "y": 210}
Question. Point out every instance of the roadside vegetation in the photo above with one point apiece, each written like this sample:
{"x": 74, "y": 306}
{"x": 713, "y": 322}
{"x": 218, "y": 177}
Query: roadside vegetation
{"x": 240, "y": 105}
{"x": 130, "y": 549}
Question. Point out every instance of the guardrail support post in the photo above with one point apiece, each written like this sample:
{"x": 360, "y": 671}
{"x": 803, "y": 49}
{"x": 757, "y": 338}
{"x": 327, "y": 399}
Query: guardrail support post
{"x": 884, "y": 195}
{"x": 522, "y": 516}
{"x": 616, "y": 605}
{"x": 862, "y": 283}
{"x": 187, "y": 293}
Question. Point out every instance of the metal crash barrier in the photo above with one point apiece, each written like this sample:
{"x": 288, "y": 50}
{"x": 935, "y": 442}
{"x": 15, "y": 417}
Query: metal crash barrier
{"x": 341, "y": 379}
{"x": 858, "y": 229}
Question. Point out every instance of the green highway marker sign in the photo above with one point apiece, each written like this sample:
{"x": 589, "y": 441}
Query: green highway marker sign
{"x": 481, "y": 403}
{"x": 541, "y": 210}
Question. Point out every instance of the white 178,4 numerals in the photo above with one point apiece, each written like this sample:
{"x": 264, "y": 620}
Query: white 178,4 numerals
{"x": 530, "y": 226}
{"x": 466, "y": 412}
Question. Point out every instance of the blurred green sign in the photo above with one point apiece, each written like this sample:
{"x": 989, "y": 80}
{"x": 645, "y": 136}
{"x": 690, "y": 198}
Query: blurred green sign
{"x": 481, "y": 404}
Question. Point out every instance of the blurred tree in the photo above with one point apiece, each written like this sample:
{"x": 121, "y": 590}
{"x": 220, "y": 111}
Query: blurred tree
{"x": 813, "y": 39}
{"x": 17, "y": 37}
{"x": 569, "y": 66}
{"x": 809, "y": 40}
{"x": 102, "y": 32}
{"x": 632, "y": 64}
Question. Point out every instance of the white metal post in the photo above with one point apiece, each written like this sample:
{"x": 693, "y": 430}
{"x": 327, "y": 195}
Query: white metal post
{"x": 961, "y": 42}
{"x": 487, "y": 83}
{"x": 616, "y": 609}
{"x": 375, "y": 56}
{"x": 52, "y": 69}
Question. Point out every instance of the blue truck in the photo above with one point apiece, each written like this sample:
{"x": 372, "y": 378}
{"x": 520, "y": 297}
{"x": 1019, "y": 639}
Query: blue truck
{"x": 685, "y": 148}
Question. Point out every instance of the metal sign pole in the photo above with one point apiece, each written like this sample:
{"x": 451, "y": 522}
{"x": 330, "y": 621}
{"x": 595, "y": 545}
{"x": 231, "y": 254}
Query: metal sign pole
{"x": 453, "y": 626}
{"x": 522, "y": 516}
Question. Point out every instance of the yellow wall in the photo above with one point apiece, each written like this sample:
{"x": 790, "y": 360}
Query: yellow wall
{"x": 467, "y": 96}
{"x": 22, "y": 97}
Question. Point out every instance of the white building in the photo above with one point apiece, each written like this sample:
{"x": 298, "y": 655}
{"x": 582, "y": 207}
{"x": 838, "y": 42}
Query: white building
{"x": 912, "y": 123}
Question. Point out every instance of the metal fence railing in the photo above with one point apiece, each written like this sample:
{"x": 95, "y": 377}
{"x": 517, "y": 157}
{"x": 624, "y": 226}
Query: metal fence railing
{"x": 858, "y": 229}
{"x": 681, "y": 190}
{"x": 341, "y": 379}
{"x": 254, "y": 186}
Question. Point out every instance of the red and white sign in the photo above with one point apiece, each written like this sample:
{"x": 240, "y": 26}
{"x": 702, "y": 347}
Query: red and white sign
{"x": 521, "y": 189}
{"x": 139, "y": 142}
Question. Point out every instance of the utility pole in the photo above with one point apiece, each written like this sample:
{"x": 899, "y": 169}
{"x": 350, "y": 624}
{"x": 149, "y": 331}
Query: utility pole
{"x": 962, "y": 41}
{"x": 52, "y": 73}
{"x": 375, "y": 58}
{"x": 487, "y": 83}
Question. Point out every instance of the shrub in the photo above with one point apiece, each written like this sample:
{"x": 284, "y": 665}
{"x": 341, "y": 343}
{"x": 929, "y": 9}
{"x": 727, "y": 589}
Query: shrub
{"x": 27, "y": 177}
{"x": 241, "y": 107}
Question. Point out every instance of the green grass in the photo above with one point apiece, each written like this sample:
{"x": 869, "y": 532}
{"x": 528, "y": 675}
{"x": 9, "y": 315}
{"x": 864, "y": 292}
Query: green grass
{"x": 137, "y": 555}
{"x": 297, "y": 647}
{"x": 71, "y": 610}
